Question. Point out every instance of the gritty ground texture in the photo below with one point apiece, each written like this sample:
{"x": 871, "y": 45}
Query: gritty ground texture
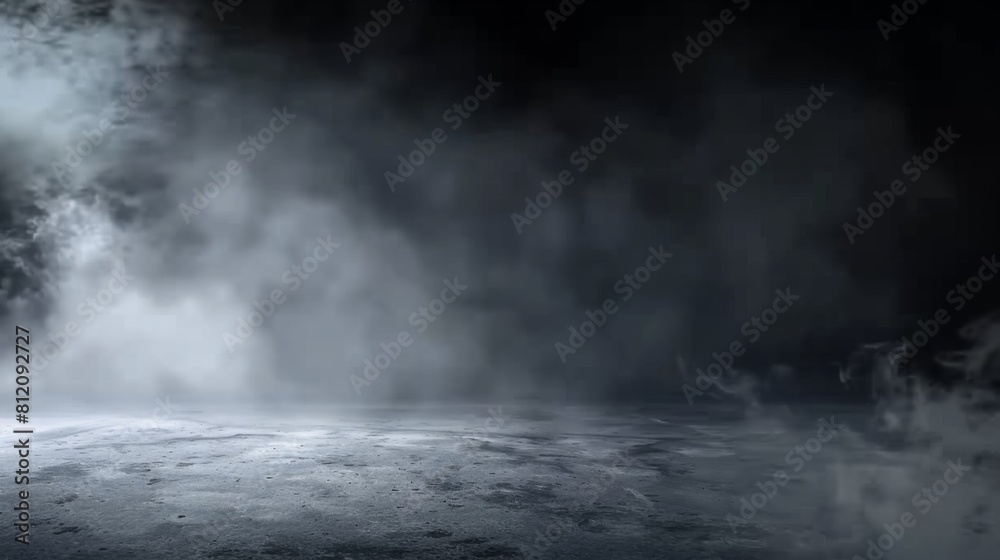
{"x": 447, "y": 484}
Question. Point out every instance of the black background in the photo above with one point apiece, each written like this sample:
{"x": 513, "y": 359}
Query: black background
{"x": 938, "y": 65}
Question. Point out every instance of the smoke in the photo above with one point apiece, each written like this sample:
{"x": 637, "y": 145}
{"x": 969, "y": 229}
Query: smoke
{"x": 919, "y": 478}
{"x": 137, "y": 279}
{"x": 140, "y": 291}
{"x": 194, "y": 264}
{"x": 923, "y": 430}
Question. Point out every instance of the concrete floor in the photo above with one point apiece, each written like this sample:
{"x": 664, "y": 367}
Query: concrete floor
{"x": 362, "y": 484}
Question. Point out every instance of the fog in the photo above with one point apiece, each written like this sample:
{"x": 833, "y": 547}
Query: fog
{"x": 248, "y": 225}
{"x": 194, "y": 265}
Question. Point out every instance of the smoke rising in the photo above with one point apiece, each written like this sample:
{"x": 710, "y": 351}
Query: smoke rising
{"x": 196, "y": 275}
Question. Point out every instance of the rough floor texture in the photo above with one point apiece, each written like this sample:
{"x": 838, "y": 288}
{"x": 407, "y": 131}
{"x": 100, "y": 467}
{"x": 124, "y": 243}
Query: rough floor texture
{"x": 447, "y": 484}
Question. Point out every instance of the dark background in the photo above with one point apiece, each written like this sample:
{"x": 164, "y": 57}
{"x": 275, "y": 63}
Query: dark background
{"x": 938, "y": 67}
